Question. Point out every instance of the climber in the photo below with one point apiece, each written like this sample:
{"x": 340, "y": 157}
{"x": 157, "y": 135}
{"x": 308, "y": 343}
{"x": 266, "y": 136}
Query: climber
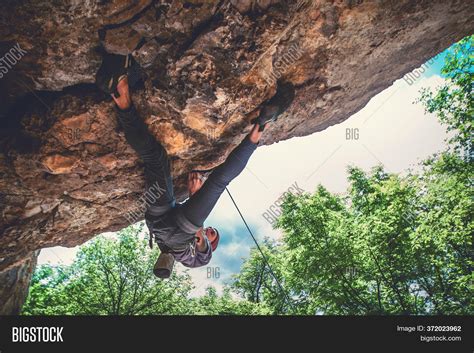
{"x": 178, "y": 228}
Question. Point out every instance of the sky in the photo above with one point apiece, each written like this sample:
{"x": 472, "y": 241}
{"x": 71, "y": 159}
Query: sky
{"x": 390, "y": 130}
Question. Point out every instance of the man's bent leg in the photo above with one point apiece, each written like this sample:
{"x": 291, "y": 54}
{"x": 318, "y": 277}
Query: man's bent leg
{"x": 159, "y": 195}
{"x": 200, "y": 205}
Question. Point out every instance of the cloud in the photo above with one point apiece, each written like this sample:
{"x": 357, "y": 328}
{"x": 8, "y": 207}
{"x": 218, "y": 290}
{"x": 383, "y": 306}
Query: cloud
{"x": 233, "y": 249}
{"x": 57, "y": 255}
{"x": 201, "y": 279}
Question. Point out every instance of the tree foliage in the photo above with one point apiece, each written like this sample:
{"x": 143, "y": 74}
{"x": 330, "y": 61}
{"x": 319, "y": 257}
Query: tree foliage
{"x": 226, "y": 304}
{"x": 108, "y": 277}
{"x": 453, "y": 102}
{"x": 257, "y": 284}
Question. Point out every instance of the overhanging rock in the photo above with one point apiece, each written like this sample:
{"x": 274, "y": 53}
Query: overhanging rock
{"x": 67, "y": 173}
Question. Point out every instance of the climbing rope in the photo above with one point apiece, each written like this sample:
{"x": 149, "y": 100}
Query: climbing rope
{"x": 282, "y": 290}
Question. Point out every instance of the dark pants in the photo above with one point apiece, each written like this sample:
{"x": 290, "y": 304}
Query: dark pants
{"x": 197, "y": 208}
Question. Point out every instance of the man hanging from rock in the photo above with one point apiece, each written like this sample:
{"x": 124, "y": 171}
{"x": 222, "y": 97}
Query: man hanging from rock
{"x": 178, "y": 229}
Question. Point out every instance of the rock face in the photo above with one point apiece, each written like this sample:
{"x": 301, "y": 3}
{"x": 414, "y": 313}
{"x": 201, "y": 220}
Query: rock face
{"x": 15, "y": 283}
{"x": 66, "y": 170}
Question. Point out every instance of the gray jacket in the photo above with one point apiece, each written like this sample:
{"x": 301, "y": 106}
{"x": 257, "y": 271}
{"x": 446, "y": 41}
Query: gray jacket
{"x": 176, "y": 235}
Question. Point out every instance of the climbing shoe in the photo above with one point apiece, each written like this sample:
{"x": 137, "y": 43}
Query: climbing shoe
{"x": 114, "y": 68}
{"x": 272, "y": 109}
{"x": 164, "y": 265}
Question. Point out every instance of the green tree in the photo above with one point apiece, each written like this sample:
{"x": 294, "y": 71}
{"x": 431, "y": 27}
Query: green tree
{"x": 226, "y": 304}
{"x": 453, "y": 102}
{"x": 393, "y": 245}
{"x": 256, "y": 283}
{"x": 45, "y": 295}
{"x": 108, "y": 277}
{"x": 444, "y": 234}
